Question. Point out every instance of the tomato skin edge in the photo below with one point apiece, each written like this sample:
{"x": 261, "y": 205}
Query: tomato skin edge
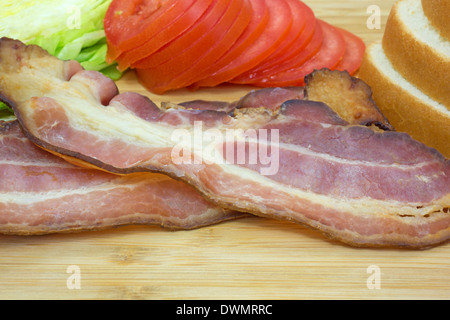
{"x": 340, "y": 50}
{"x": 229, "y": 38}
{"x": 120, "y": 25}
{"x": 295, "y": 62}
{"x": 184, "y": 42}
{"x": 252, "y": 32}
{"x": 299, "y": 42}
{"x": 354, "y": 52}
{"x": 246, "y": 62}
{"x": 161, "y": 78}
{"x": 295, "y": 76}
{"x": 166, "y": 35}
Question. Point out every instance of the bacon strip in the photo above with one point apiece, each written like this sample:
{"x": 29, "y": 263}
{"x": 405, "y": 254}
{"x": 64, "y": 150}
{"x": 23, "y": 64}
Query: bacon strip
{"x": 361, "y": 186}
{"x": 41, "y": 193}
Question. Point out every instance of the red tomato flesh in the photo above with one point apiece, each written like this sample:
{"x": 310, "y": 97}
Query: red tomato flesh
{"x": 298, "y": 10}
{"x": 203, "y": 43}
{"x": 278, "y": 27}
{"x": 329, "y": 56}
{"x": 128, "y": 22}
{"x": 164, "y": 36}
{"x": 157, "y": 78}
{"x": 222, "y": 45}
{"x": 354, "y": 52}
{"x": 295, "y": 52}
{"x": 259, "y": 20}
{"x": 184, "y": 42}
{"x": 294, "y": 62}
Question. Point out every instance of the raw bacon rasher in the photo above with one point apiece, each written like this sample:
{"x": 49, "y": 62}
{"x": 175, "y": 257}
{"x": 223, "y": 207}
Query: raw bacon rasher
{"x": 361, "y": 186}
{"x": 41, "y": 193}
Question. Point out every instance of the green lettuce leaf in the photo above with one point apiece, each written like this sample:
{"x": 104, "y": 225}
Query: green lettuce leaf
{"x": 5, "y": 112}
{"x": 68, "y": 29}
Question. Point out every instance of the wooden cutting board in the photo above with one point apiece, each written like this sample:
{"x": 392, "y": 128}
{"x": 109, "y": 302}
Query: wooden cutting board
{"x": 251, "y": 258}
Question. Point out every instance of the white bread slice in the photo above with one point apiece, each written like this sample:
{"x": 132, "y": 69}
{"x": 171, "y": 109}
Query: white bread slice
{"x": 406, "y": 107}
{"x": 417, "y": 50}
{"x": 438, "y": 12}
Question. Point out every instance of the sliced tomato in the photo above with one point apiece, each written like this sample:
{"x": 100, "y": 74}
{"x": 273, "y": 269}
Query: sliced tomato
{"x": 191, "y": 73}
{"x": 184, "y": 42}
{"x": 130, "y": 22}
{"x": 354, "y": 52}
{"x": 295, "y": 52}
{"x": 259, "y": 20}
{"x": 330, "y": 54}
{"x": 165, "y": 35}
{"x": 299, "y": 13}
{"x": 278, "y": 27}
{"x": 157, "y": 79}
{"x": 294, "y": 62}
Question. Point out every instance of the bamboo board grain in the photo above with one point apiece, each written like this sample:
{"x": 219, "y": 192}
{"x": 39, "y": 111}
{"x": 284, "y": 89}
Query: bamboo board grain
{"x": 251, "y": 258}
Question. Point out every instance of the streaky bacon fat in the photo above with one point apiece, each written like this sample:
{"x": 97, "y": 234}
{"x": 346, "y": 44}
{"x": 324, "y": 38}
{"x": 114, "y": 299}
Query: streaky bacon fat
{"x": 361, "y": 186}
{"x": 41, "y": 193}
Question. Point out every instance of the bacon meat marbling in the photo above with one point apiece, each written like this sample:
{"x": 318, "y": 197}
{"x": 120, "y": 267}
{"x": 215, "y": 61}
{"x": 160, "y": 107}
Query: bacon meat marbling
{"x": 361, "y": 186}
{"x": 41, "y": 193}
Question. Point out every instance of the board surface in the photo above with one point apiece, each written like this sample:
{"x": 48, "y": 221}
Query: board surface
{"x": 251, "y": 258}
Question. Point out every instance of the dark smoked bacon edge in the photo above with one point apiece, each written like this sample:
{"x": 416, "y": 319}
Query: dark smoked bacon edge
{"x": 337, "y": 88}
{"x": 386, "y": 230}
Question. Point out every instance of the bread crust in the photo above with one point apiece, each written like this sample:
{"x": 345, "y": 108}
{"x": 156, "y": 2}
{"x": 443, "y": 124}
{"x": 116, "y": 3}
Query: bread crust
{"x": 418, "y": 62}
{"x": 438, "y": 12}
{"x": 406, "y": 112}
